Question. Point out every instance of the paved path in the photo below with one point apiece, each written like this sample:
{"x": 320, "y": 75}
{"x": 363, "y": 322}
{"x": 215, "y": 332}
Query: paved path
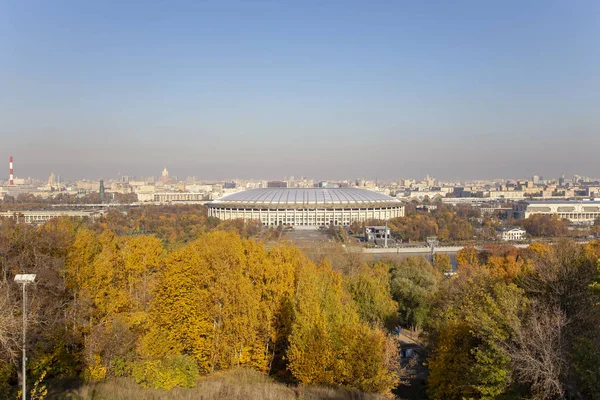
{"x": 414, "y": 385}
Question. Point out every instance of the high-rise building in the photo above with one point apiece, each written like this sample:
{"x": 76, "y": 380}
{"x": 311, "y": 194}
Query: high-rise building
{"x": 101, "y": 191}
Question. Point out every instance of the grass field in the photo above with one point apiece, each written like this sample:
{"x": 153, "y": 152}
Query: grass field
{"x": 241, "y": 384}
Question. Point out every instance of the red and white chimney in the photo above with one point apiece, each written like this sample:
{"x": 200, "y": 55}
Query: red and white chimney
{"x": 10, "y": 165}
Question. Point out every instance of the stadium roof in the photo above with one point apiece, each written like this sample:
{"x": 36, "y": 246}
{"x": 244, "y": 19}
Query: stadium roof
{"x": 300, "y": 196}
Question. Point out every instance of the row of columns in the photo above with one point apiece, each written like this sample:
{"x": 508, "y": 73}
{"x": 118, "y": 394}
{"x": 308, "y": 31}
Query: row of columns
{"x": 307, "y": 216}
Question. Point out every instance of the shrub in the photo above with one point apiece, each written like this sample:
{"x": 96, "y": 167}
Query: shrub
{"x": 167, "y": 373}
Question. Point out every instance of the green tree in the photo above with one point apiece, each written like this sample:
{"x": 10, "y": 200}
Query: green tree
{"x": 413, "y": 282}
{"x": 471, "y": 320}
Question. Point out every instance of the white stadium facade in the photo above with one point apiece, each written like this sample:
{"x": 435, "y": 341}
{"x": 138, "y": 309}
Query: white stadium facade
{"x": 306, "y": 206}
{"x": 581, "y": 212}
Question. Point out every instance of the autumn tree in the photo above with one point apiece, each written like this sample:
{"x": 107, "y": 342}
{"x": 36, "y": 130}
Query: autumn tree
{"x": 541, "y": 225}
{"x": 328, "y": 344}
{"x": 503, "y": 261}
{"x": 218, "y": 300}
{"x": 595, "y": 229}
{"x": 370, "y": 289}
{"x": 442, "y": 263}
{"x": 110, "y": 278}
{"x": 468, "y": 256}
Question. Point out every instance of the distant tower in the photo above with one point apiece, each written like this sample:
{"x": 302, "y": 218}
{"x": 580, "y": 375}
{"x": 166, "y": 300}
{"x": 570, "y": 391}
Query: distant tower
{"x": 101, "y": 189}
{"x": 10, "y": 167}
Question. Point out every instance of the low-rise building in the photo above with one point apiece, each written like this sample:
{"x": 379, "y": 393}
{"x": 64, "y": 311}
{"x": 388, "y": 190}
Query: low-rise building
{"x": 377, "y": 233}
{"x": 169, "y": 197}
{"x": 41, "y": 216}
{"x": 512, "y": 234}
{"x": 507, "y": 194}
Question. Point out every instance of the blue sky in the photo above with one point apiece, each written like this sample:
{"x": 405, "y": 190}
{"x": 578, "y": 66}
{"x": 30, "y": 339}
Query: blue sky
{"x": 336, "y": 89}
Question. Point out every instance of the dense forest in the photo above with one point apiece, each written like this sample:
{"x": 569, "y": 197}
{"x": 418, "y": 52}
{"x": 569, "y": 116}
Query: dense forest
{"x": 164, "y": 296}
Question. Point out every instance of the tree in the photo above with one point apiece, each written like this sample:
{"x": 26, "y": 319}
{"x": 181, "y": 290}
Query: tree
{"x": 467, "y": 256}
{"x": 413, "y": 283}
{"x": 541, "y": 225}
{"x": 329, "y": 345}
{"x": 471, "y": 318}
{"x": 219, "y": 299}
{"x": 441, "y": 262}
{"x": 370, "y": 289}
{"x": 595, "y": 230}
{"x": 562, "y": 282}
{"x": 10, "y": 326}
{"x": 537, "y": 351}
{"x": 503, "y": 261}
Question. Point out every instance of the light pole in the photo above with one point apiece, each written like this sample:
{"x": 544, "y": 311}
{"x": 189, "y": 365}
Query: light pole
{"x": 24, "y": 279}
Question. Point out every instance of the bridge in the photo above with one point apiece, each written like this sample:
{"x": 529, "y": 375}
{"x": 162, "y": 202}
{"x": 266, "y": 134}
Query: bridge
{"x": 420, "y": 249}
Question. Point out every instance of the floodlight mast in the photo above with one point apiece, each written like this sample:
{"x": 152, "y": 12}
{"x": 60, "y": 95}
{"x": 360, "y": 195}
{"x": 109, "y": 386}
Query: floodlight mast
{"x": 24, "y": 279}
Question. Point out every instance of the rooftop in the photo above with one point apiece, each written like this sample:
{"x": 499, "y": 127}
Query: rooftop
{"x": 289, "y": 196}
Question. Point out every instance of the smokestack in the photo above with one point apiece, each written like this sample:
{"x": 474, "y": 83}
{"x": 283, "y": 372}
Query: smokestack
{"x": 10, "y": 166}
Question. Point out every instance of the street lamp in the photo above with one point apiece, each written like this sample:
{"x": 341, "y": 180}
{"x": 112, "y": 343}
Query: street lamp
{"x": 24, "y": 279}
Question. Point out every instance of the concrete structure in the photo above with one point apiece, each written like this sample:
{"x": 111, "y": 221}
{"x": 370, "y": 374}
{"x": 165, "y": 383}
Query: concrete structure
{"x": 169, "y": 197}
{"x": 306, "y": 206}
{"x": 507, "y": 194}
{"x": 377, "y": 234}
{"x": 585, "y": 212}
{"x": 41, "y": 216}
{"x": 493, "y": 209}
{"x": 277, "y": 184}
{"x": 511, "y": 234}
{"x": 465, "y": 200}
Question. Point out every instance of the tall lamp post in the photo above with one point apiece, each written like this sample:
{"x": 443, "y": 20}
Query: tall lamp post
{"x": 24, "y": 279}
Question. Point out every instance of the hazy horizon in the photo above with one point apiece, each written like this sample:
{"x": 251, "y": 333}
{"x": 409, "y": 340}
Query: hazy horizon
{"x": 462, "y": 90}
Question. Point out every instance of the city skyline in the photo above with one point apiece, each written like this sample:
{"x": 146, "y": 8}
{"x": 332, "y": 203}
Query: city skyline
{"x": 319, "y": 177}
{"x": 255, "y": 89}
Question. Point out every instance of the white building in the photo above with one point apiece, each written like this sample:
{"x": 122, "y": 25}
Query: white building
{"x": 306, "y": 206}
{"x": 41, "y": 216}
{"x": 512, "y": 234}
{"x": 585, "y": 212}
{"x": 169, "y": 197}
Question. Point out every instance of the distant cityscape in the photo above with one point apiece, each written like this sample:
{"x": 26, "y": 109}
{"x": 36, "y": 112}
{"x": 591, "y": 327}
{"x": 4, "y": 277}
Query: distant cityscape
{"x": 575, "y": 198}
{"x": 165, "y": 188}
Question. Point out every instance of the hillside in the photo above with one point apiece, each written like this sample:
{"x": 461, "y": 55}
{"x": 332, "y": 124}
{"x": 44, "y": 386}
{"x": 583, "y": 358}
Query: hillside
{"x": 238, "y": 384}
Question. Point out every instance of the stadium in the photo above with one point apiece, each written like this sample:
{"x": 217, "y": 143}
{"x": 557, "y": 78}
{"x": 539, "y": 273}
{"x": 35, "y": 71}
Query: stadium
{"x": 306, "y": 206}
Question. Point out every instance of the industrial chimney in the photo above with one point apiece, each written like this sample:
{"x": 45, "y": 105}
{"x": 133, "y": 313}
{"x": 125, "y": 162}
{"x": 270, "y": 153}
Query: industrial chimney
{"x": 10, "y": 166}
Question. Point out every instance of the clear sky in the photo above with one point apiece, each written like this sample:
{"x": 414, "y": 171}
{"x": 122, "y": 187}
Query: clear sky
{"x": 330, "y": 89}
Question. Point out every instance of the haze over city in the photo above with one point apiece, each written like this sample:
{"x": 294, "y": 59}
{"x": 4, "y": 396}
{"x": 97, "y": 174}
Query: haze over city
{"x": 270, "y": 89}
